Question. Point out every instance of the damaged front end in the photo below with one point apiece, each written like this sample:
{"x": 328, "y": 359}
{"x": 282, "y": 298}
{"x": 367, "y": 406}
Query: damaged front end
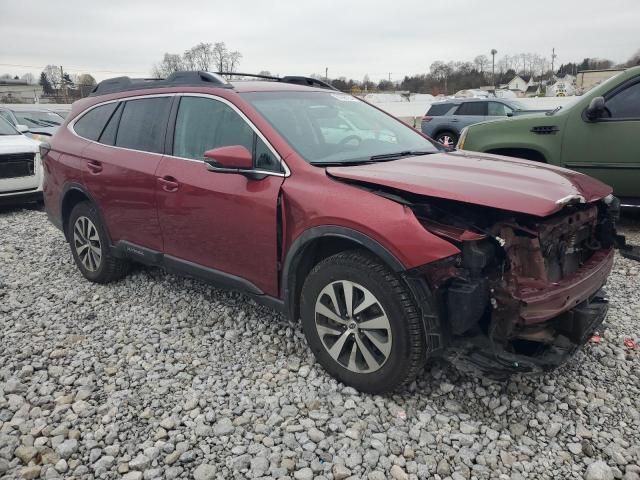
{"x": 525, "y": 292}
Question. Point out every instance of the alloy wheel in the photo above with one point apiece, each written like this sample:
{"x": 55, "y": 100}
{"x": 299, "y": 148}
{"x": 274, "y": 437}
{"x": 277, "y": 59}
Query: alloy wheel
{"x": 446, "y": 140}
{"x": 353, "y": 326}
{"x": 87, "y": 243}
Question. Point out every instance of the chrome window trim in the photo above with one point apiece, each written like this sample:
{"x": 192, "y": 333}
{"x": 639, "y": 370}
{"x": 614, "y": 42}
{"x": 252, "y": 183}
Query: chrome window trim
{"x": 283, "y": 164}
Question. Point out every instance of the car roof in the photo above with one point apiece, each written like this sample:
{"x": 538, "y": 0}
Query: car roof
{"x": 242, "y": 86}
{"x": 457, "y": 101}
{"x": 182, "y": 80}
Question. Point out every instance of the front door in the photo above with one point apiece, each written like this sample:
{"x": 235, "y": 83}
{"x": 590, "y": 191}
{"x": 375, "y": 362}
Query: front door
{"x": 222, "y": 221}
{"x": 608, "y": 148}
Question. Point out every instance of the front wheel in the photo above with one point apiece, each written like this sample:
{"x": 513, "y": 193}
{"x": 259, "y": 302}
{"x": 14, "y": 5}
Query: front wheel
{"x": 361, "y": 323}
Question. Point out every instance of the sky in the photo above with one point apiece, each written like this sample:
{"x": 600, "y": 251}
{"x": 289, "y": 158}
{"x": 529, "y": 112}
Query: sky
{"x": 351, "y": 38}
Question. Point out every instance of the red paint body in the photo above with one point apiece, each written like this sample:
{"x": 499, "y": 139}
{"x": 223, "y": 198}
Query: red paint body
{"x": 229, "y": 222}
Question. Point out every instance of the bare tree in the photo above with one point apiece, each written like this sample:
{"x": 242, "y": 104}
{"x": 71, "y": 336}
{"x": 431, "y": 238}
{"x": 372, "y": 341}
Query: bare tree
{"x": 29, "y": 78}
{"x": 54, "y": 76}
{"x": 634, "y": 60}
{"x": 199, "y": 57}
{"x": 481, "y": 63}
{"x": 233, "y": 60}
{"x": 220, "y": 54}
{"x": 172, "y": 62}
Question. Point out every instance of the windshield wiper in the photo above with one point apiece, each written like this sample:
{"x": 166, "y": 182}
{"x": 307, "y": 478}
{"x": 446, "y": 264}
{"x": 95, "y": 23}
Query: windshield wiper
{"x": 393, "y": 156}
{"x": 557, "y": 109}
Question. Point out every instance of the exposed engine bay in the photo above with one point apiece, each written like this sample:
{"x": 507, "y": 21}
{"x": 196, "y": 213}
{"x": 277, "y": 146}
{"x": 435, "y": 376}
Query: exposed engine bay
{"x": 525, "y": 292}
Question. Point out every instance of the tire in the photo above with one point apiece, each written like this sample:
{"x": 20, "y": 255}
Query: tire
{"x": 399, "y": 352}
{"x": 87, "y": 236}
{"x": 447, "y": 136}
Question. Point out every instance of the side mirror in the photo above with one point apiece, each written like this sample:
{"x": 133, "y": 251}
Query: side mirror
{"x": 233, "y": 158}
{"x": 22, "y": 128}
{"x": 509, "y": 114}
{"x": 596, "y": 109}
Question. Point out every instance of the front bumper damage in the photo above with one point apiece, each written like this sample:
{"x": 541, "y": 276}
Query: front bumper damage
{"x": 525, "y": 293}
{"x": 481, "y": 356}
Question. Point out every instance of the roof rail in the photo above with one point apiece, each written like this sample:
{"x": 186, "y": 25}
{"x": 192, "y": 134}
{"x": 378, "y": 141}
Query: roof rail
{"x": 297, "y": 80}
{"x": 194, "y": 79}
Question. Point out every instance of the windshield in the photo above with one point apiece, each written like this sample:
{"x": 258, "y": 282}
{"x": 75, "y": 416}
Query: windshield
{"x": 516, "y": 105}
{"x": 6, "y": 128}
{"x": 335, "y": 128}
{"x": 38, "y": 118}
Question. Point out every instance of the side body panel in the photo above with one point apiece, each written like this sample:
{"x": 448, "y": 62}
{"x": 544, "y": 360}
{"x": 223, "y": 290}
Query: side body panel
{"x": 223, "y": 221}
{"x": 312, "y": 199}
{"x": 125, "y": 190}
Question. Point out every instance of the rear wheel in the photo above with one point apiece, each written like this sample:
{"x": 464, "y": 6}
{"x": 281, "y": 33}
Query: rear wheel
{"x": 448, "y": 139}
{"x": 90, "y": 246}
{"x": 361, "y": 322}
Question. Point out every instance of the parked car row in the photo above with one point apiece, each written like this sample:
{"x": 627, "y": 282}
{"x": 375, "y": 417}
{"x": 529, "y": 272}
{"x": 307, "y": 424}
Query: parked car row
{"x": 389, "y": 247}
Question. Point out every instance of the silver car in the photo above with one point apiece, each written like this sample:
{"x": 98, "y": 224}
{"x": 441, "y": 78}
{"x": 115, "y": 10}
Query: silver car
{"x": 445, "y": 120}
{"x": 35, "y": 121}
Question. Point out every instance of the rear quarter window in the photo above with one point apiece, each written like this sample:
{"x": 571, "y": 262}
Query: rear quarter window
{"x": 439, "y": 109}
{"x": 91, "y": 124}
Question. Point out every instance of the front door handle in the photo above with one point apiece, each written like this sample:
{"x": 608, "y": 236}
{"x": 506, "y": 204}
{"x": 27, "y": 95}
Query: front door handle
{"x": 169, "y": 184}
{"x": 94, "y": 166}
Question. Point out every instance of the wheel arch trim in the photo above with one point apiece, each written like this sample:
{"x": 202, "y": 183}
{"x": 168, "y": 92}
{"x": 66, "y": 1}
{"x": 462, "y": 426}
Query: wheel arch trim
{"x": 294, "y": 255}
{"x": 68, "y": 189}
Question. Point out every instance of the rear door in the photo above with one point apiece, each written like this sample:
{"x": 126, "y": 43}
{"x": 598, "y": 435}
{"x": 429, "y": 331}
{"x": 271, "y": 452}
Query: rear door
{"x": 225, "y": 222}
{"x": 469, "y": 113}
{"x": 608, "y": 148}
{"x": 120, "y": 168}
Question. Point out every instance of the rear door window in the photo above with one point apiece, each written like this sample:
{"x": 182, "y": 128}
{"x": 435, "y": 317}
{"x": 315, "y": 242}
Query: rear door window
{"x": 91, "y": 124}
{"x": 143, "y": 123}
{"x": 472, "y": 108}
{"x": 439, "y": 109}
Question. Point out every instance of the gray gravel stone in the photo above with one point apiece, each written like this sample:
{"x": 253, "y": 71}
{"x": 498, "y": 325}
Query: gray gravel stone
{"x": 157, "y": 375}
{"x": 204, "y": 472}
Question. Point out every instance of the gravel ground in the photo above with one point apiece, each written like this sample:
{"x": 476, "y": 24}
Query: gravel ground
{"x": 164, "y": 377}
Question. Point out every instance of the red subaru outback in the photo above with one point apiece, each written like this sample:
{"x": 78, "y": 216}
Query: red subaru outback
{"x": 390, "y": 249}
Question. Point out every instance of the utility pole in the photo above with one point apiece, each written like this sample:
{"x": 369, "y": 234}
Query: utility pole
{"x": 63, "y": 84}
{"x": 553, "y": 60}
{"x": 326, "y": 74}
{"x": 493, "y": 67}
{"x": 389, "y": 77}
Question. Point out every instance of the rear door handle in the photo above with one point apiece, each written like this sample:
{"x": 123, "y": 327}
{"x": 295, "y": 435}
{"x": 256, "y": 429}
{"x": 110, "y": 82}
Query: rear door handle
{"x": 94, "y": 166}
{"x": 454, "y": 120}
{"x": 169, "y": 184}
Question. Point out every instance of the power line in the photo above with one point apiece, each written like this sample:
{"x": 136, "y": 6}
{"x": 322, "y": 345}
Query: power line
{"x": 74, "y": 67}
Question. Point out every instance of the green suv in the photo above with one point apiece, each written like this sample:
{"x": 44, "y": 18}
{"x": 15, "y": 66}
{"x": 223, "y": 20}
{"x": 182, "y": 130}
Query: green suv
{"x": 597, "y": 134}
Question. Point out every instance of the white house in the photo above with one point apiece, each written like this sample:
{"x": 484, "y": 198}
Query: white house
{"x": 520, "y": 84}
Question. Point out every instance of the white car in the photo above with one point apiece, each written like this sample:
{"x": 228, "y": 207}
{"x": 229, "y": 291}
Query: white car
{"x": 20, "y": 166}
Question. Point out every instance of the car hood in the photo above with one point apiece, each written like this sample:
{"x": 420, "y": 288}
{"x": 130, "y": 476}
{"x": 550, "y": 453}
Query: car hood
{"x": 490, "y": 180}
{"x": 17, "y": 144}
{"x": 44, "y": 130}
